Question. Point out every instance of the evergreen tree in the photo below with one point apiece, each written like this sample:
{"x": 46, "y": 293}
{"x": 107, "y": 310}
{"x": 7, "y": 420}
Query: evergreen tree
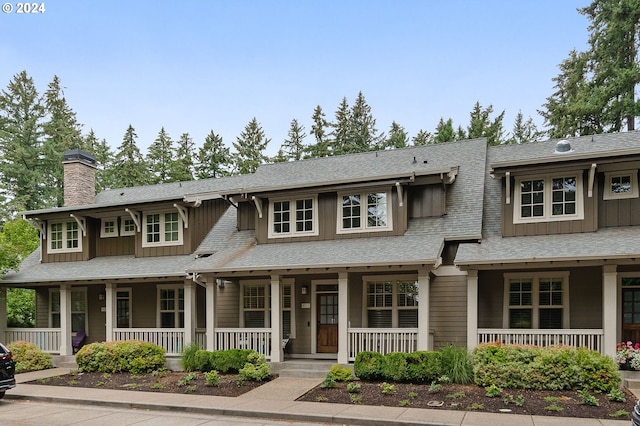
{"x": 398, "y": 137}
{"x": 214, "y": 159}
{"x": 444, "y": 132}
{"x": 482, "y": 126}
{"x": 524, "y": 131}
{"x": 280, "y": 157}
{"x": 21, "y": 170}
{"x": 321, "y": 147}
{"x": 130, "y": 168}
{"x": 293, "y": 147}
{"x": 160, "y": 157}
{"x": 182, "y": 169}
{"x": 363, "y": 135}
{"x": 250, "y": 146}
{"x": 422, "y": 138}
{"x": 104, "y": 156}
{"x": 341, "y": 132}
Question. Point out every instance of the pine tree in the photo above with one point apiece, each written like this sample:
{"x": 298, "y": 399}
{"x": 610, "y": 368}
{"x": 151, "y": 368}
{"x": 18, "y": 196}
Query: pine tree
{"x": 398, "y": 137}
{"x": 130, "y": 168}
{"x": 422, "y": 138}
{"x": 524, "y": 131}
{"x": 161, "y": 157}
{"x": 481, "y": 125}
{"x": 341, "y": 132}
{"x": 104, "y": 156}
{"x": 293, "y": 147}
{"x": 363, "y": 135}
{"x": 250, "y": 147}
{"x": 182, "y": 169}
{"x": 321, "y": 147}
{"x": 444, "y": 132}
{"x": 214, "y": 159}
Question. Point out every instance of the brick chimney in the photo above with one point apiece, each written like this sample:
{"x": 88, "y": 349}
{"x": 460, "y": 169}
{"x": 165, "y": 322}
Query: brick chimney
{"x": 79, "y": 177}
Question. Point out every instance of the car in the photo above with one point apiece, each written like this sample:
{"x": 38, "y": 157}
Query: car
{"x": 7, "y": 370}
{"x": 635, "y": 415}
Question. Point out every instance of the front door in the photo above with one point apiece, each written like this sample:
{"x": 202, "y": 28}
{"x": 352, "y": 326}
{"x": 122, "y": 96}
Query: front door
{"x": 631, "y": 314}
{"x": 327, "y": 320}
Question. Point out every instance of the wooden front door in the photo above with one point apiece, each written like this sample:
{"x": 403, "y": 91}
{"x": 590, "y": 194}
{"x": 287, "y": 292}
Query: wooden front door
{"x": 327, "y": 319}
{"x": 631, "y": 314}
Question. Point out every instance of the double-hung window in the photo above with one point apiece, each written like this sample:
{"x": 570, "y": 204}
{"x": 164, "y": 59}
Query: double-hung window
{"x": 162, "y": 229}
{"x": 620, "y": 184}
{"x": 391, "y": 303}
{"x": 548, "y": 198}
{"x": 293, "y": 217}
{"x": 538, "y": 300}
{"x": 171, "y": 307}
{"x": 364, "y": 212}
{"x": 64, "y": 237}
{"x": 255, "y": 305}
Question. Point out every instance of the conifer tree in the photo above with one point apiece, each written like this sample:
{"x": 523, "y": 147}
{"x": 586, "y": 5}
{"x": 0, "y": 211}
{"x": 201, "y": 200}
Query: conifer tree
{"x": 104, "y": 156}
{"x": 161, "y": 157}
{"x": 481, "y": 125}
{"x": 250, "y": 147}
{"x": 321, "y": 147}
{"x": 214, "y": 159}
{"x": 341, "y": 132}
{"x": 130, "y": 169}
{"x": 524, "y": 131}
{"x": 293, "y": 147}
{"x": 444, "y": 132}
{"x": 398, "y": 137}
{"x": 362, "y": 135}
{"x": 422, "y": 138}
{"x": 182, "y": 168}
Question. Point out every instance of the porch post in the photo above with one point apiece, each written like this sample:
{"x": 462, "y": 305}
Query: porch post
{"x": 3, "y": 314}
{"x": 609, "y": 308}
{"x": 276, "y": 326}
{"x": 472, "y": 309}
{"x": 343, "y": 318}
{"x": 210, "y": 304}
{"x": 110, "y": 301}
{"x": 424, "y": 284}
{"x": 189, "y": 312}
{"x": 65, "y": 320}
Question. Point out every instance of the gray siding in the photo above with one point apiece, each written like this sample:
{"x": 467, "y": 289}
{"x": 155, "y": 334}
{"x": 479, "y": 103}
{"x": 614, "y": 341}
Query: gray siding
{"x": 426, "y": 201}
{"x": 227, "y": 305}
{"x": 611, "y": 213}
{"x": 96, "y": 318}
{"x": 448, "y": 310}
{"x": 585, "y": 295}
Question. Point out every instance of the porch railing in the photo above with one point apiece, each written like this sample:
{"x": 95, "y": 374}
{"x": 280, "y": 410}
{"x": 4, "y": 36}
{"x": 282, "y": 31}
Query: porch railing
{"x": 590, "y": 338}
{"x": 171, "y": 339}
{"x": 383, "y": 340}
{"x": 258, "y": 339}
{"x": 201, "y": 338}
{"x": 47, "y": 339}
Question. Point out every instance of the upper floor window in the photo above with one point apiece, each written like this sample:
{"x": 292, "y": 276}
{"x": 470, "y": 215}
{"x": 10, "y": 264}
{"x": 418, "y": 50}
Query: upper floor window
{"x": 364, "y": 212}
{"x": 64, "y": 237}
{"x": 293, "y": 217}
{"x": 109, "y": 228}
{"x": 548, "y": 198}
{"x": 620, "y": 184}
{"x": 162, "y": 229}
{"x": 127, "y": 227}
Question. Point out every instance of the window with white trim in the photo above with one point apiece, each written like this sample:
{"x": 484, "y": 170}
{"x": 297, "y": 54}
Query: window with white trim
{"x": 620, "y": 184}
{"x": 548, "y": 198}
{"x": 364, "y": 212}
{"x": 162, "y": 229}
{"x": 255, "y": 305}
{"x": 288, "y": 310}
{"x": 293, "y": 217}
{"x": 123, "y": 308}
{"x": 64, "y": 237}
{"x": 79, "y": 320}
{"x": 538, "y": 300}
{"x": 127, "y": 227}
{"x": 390, "y": 303}
{"x": 109, "y": 227}
{"x": 170, "y": 306}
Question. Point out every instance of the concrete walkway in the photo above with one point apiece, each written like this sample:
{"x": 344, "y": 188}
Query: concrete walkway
{"x": 276, "y": 400}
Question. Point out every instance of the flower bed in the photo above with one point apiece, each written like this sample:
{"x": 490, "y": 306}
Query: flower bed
{"x": 628, "y": 355}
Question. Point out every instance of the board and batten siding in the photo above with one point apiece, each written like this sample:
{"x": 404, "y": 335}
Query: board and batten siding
{"x": 617, "y": 212}
{"x": 448, "y": 310}
{"x": 426, "y": 201}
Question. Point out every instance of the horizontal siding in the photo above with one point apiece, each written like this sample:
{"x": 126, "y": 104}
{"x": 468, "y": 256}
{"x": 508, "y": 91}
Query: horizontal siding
{"x": 227, "y": 305}
{"x": 448, "y": 310}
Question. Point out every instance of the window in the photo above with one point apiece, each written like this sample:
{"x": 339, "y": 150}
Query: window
{"x": 162, "y": 229}
{"x": 550, "y": 198}
{"x": 109, "y": 228}
{"x": 364, "y": 212}
{"x": 294, "y": 217}
{"x": 78, "y": 309}
{"x": 537, "y": 301}
{"x": 171, "y": 307}
{"x": 391, "y": 303}
{"x": 288, "y": 310}
{"x": 64, "y": 237}
{"x": 127, "y": 227}
{"x": 255, "y": 306}
{"x": 123, "y": 308}
{"x": 621, "y": 184}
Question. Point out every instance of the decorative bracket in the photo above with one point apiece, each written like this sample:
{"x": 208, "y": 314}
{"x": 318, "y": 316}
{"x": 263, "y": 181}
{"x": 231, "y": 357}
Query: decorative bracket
{"x": 507, "y": 176}
{"x": 82, "y": 223}
{"x": 135, "y": 216}
{"x": 592, "y": 174}
{"x": 258, "y": 204}
{"x": 400, "y": 194}
{"x": 183, "y": 214}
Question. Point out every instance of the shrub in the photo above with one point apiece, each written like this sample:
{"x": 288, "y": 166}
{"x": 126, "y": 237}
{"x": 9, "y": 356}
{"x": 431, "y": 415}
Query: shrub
{"x": 340, "y": 373}
{"x": 130, "y": 356}
{"x": 456, "y": 364}
{"x": 230, "y": 361}
{"x": 368, "y": 365}
{"x": 202, "y": 361}
{"x": 256, "y": 368}
{"x": 395, "y": 367}
{"x": 353, "y": 387}
{"x": 188, "y": 357}
{"x": 328, "y": 383}
{"x": 423, "y": 366}
{"x": 211, "y": 378}
{"x": 29, "y": 357}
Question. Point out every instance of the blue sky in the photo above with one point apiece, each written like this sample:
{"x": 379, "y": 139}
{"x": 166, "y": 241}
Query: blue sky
{"x": 214, "y": 65}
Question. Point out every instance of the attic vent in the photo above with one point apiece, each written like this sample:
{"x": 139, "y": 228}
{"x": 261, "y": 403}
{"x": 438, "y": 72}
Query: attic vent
{"x": 563, "y": 147}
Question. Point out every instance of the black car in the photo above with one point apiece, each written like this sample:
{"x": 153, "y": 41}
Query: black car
{"x": 7, "y": 370}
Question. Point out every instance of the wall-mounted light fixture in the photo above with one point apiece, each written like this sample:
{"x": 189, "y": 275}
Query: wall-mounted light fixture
{"x": 220, "y": 283}
{"x": 101, "y": 296}
{"x": 305, "y": 289}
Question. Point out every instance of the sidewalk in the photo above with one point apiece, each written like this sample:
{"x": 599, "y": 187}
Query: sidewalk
{"x": 276, "y": 400}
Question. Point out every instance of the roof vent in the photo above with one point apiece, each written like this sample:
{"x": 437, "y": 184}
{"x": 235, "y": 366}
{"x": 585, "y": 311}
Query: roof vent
{"x": 563, "y": 147}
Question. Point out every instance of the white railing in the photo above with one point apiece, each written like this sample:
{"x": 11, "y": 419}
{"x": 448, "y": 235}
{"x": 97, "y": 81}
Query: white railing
{"x": 171, "y": 339}
{"x": 258, "y": 339}
{"x": 590, "y": 338}
{"x": 383, "y": 340}
{"x": 47, "y": 339}
{"x": 201, "y": 338}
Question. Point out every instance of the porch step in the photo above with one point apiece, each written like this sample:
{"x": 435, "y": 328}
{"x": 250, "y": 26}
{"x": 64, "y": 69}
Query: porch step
{"x": 68, "y": 361}
{"x": 631, "y": 383}
{"x": 312, "y": 369}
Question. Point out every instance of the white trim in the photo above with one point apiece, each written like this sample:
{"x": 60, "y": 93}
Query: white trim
{"x": 607, "y": 194}
{"x": 123, "y": 222}
{"x": 364, "y": 226}
{"x": 547, "y": 199}
{"x": 161, "y": 226}
{"x": 135, "y": 215}
{"x": 65, "y": 241}
{"x": 85, "y": 312}
{"x": 176, "y": 309}
{"x": 289, "y": 282}
{"x": 535, "y": 293}
{"x": 267, "y": 302}
{"x": 314, "y": 311}
{"x": 103, "y": 230}
{"x": 394, "y": 308}
{"x": 292, "y": 217}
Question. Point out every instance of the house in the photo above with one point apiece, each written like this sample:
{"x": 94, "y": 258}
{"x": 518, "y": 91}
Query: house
{"x": 398, "y": 250}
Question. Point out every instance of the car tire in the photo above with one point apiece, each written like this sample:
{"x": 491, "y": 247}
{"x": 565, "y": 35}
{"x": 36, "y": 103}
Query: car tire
{"x": 2, "y": 394}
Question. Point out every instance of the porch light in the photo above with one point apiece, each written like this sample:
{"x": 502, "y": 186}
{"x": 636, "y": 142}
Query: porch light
{"x": 101, "y": 296}
{"x": 305, "y": 289}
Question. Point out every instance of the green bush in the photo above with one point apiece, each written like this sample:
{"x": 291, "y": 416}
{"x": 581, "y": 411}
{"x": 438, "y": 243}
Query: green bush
{"x": 423, "y": 366}
{"x": 29, "y": 357}
{"x": 368, "y": 365}
{"x": 256, "y": 368}
{"x": 202, "y": 361}
{"x": 395, "y": 367}
{"x": 230, "y": 361}
{"x": 211, "y": 378}
{"x": 456, "y": 364}
{"x": 340, "y": 373}
{"x": 129, "y": 356}
{"x": 188, "y": 357}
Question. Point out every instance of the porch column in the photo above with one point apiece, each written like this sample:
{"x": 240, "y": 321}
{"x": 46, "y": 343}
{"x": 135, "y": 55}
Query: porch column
{"x": 609, "y": 308}
{"x": 189, "y": 312}
{"x": 276, "y": 326}
{"x": 210, "y": 304}
{"x": 472, "y": 309}
{"x": 424, "y": 284}
{"x": 65, "y": 320}
{"x": 343, "y": 318}
{"x": 110, "y": 301}
{"x": 3, "y": 314}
